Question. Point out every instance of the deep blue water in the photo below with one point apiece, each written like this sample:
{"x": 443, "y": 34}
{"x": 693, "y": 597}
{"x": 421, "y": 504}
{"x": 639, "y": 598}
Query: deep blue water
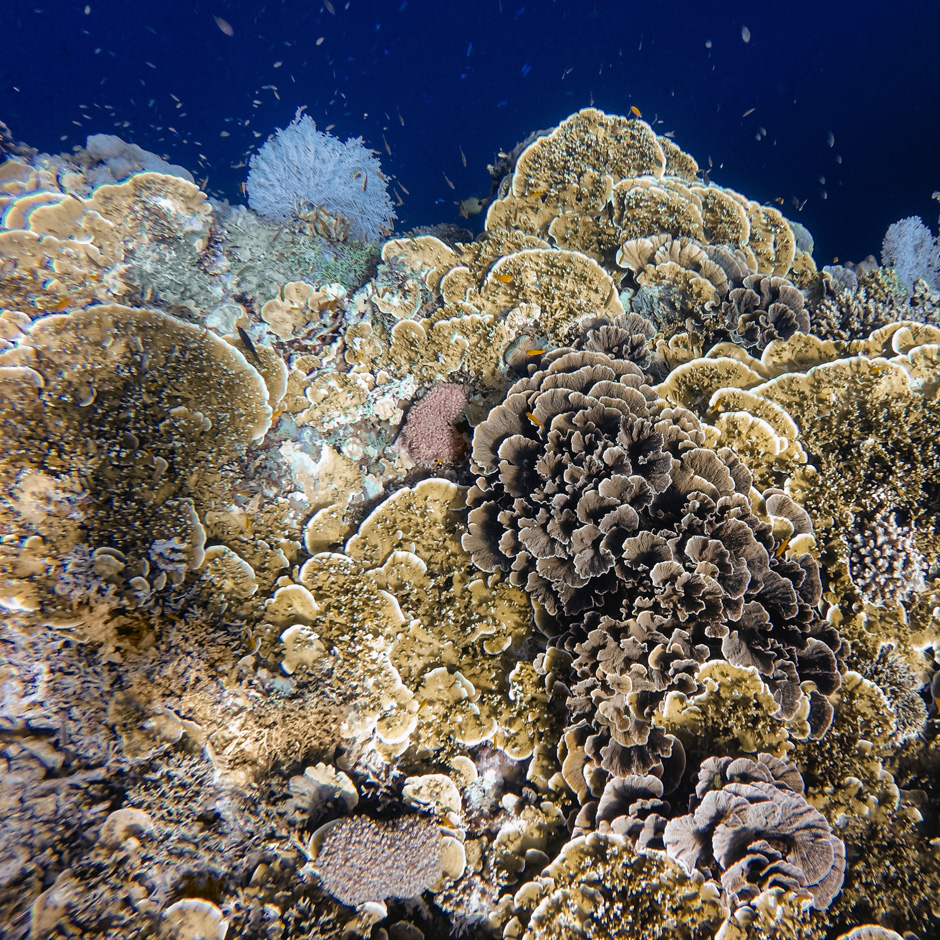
{"x": 440, "y": 81}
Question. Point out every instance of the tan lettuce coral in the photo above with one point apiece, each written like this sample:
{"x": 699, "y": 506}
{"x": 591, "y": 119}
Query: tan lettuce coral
{"x": 847, "y": 432}
{"x": 488, "y": 294}
{"x": 64, "y": 251}
{"x": 598, "y": 884}
{"x": 298, "y": 305}
{"x": 431, "y": 644}
{"x": 599, "y": 180}
{"x": 121, "y": 419}
{"x": 734, "y": 712}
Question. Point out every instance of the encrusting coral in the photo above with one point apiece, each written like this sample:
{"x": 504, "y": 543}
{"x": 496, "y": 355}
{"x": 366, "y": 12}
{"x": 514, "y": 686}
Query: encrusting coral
{"x": 430, "y": 435}
{"x": 666, "y": 667}
{"x": 360, "y": 859}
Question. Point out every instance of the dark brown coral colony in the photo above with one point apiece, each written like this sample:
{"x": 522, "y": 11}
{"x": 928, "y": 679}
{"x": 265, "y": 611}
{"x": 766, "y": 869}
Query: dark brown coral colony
{"x": 609, "y": 509}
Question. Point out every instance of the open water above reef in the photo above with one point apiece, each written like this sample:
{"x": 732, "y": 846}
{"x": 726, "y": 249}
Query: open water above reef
{"x": 443, "y": 83}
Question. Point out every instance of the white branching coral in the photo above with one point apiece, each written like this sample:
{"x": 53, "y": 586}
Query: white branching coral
{"x": 301, "y": 168}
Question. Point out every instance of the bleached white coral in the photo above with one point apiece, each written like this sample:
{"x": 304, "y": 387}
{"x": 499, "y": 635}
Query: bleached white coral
{"x": 910, "y": 248}
{"x": 302, "y": 167}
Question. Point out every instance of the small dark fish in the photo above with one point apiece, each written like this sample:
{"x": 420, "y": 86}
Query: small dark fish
{"x": 249, "y": 345}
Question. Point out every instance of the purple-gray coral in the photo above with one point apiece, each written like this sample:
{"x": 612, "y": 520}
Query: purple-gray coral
{"x": 752, "y": 823}
{"x": 361, "y": 859}
{"x": 301, "y": 168}
{"x": 765, "y": 308}
{"x": 607, "y": 507}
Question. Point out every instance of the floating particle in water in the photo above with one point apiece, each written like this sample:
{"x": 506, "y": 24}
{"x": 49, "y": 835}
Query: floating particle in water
{"x": 831, "y": 139}
{"x": 708, "y": 44}
{"x": 224, "y": 25}
{"x": 526, "y": 68}
{"x": 745, "y": 34}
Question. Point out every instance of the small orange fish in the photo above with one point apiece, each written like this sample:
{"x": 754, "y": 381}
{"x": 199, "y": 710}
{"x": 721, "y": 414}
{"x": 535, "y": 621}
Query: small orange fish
{"x": 503, "y": 278}
{"x": 537, "y": 194}
{"x": 835, "y": 260}
{"x": 535, "y": 352}
{"x": 533, "y": 419}
{"x": 780, "y": 200}
{"x": 635, "y": 111}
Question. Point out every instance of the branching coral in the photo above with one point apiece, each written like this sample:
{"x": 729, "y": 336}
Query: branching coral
{"x": 884, "y": 562}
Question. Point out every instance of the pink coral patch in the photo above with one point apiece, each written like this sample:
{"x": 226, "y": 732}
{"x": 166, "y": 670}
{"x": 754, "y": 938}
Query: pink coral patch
{"x": 429, "y": 436}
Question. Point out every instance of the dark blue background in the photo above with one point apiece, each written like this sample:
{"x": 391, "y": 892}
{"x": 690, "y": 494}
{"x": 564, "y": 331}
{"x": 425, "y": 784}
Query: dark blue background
{"x": 480, "y": 75}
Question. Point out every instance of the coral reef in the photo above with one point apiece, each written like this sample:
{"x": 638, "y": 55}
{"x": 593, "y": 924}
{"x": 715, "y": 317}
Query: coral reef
{"x": 575, "y": 580}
